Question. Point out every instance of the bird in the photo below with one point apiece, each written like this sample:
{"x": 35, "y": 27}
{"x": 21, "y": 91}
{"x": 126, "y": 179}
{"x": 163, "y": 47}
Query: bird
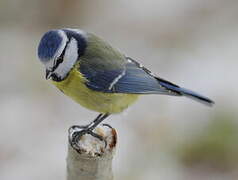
{"x": 98, "y": 76}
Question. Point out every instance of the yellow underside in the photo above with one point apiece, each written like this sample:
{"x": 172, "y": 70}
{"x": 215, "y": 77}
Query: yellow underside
{"x": 74, "y": 87}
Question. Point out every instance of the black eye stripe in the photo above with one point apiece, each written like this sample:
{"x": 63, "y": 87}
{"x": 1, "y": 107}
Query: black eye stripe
{"x": 60, "y": 59}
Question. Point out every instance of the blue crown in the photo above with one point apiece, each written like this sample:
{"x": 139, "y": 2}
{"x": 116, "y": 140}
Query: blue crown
{"x": 49, "y": 44}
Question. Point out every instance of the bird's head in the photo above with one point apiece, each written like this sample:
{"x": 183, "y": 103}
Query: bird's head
{"x": 59, "y": 50}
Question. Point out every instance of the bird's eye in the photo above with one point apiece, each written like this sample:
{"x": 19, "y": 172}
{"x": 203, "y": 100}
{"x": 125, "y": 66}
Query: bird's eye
{"x": 59, "y": 60}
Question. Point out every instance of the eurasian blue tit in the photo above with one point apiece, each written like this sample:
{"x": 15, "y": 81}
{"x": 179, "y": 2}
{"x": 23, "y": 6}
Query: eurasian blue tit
{"x": 98, "y": 76}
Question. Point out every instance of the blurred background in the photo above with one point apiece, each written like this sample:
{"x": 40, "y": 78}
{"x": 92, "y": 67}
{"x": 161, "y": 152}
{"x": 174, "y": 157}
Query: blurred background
{"x": 191, "y": 43}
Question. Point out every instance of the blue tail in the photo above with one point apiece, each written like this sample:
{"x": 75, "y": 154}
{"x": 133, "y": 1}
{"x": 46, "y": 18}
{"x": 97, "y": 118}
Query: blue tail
{"x": 185, "y": 92}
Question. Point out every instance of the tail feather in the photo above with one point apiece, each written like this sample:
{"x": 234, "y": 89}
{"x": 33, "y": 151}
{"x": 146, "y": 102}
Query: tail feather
{"x": 186, "y": 92}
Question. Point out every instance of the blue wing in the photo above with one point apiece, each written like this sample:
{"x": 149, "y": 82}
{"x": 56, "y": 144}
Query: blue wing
{"x": 129, "y": 77}
{"x": 138, "y": 81}
{"x": 133, "y": 78}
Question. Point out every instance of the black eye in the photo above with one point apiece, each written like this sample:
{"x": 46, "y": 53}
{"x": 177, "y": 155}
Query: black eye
{"x": 59, "y": 60}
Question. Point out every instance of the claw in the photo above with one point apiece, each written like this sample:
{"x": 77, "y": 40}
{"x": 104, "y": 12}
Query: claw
{"x": 107, "y": 125}
{"x": 75, "y": 136}
{"x": 77, "y": 127}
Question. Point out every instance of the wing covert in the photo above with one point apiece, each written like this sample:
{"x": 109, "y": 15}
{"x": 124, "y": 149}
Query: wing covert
{"x": 130, "y": 78}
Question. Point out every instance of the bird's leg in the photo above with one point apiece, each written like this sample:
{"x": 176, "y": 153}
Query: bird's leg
{"x": 88, "y": 125}
{"x": 97, "y": 121}
{"x": 76, "y": 132}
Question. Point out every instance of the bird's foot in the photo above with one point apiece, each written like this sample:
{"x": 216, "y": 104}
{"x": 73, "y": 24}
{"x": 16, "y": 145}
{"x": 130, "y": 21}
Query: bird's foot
{"x": 107, "y": 125}
{"x": 76, "y": 132}
{"x": 78, "y": 127}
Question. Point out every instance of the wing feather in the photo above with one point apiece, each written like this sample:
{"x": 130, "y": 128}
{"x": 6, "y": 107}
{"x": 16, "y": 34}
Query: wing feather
{"x": 130, "y": 78}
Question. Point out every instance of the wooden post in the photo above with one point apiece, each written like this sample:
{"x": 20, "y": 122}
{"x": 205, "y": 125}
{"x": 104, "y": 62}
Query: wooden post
{"x": 92, "y": 160}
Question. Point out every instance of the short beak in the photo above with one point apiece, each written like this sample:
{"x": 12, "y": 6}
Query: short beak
{"x": 48, "y": 74}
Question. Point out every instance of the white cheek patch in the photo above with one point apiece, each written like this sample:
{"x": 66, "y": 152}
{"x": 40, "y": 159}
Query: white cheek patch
{"x": 70, "y": 57}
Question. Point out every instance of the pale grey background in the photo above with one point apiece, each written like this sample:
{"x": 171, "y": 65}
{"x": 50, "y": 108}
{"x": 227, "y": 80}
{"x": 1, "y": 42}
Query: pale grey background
{"x": 190, "y": 42}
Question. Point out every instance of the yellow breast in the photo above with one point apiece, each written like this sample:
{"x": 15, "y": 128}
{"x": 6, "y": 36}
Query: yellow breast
{"x": 74, "y": 87}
